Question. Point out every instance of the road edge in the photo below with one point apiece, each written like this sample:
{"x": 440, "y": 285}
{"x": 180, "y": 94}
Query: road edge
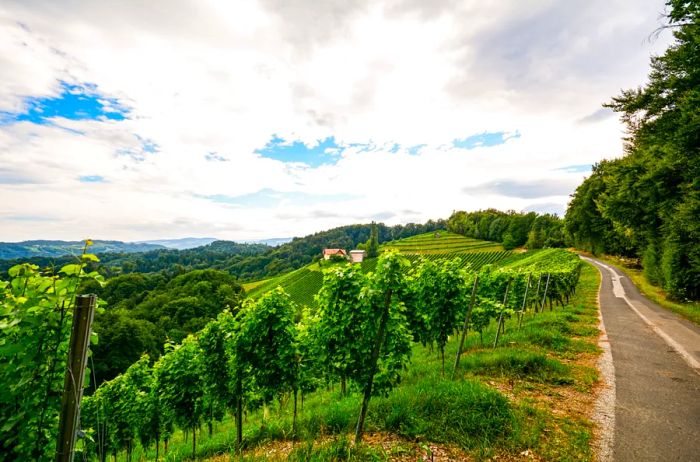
{"x": 604, "y": 408}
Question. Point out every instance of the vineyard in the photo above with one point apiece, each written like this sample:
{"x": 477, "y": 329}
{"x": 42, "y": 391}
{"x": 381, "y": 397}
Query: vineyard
{"x": 360, "y": 334}
{"x": 303, "y": 284}
{"x": 442, "y": 242}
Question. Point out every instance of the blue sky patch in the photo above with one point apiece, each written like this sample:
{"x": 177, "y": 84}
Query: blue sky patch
{"x": 74, "y": 102}
{"x": 91, "y": 179}
{"x": 325, "y": 151}
{"x": 484, "y": 140}
{"x": 414, "y": 150}
{"x": 269, "y": 198}
{"x": 146, "y": 147}
{"x": 582, "y": 168}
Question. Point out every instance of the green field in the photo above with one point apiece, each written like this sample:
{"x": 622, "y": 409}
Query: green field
{"x": 441, "y": 242}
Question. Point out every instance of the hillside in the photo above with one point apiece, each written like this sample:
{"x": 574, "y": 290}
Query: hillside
{"x": 41, "y": 248}
{"x": 441, "y": 242}
{"x": 304, "y": 283}
{"x": 182, "y": 243}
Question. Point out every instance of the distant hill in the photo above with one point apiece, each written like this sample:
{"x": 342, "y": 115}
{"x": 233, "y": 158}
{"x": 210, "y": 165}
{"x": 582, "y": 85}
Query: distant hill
{"x": 181, "y": 244}
{"x": 272, "y": 242}
{"x": 248, "y": 262}
{"x": 40, "y": 248}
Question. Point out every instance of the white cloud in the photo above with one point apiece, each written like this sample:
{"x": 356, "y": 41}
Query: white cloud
{"x": 223, "y": 77}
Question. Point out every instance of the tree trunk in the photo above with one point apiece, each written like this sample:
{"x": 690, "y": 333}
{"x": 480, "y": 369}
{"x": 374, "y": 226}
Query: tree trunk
{"x": 373, "y": 365}
{"x": 343, "y": 386}
{"x": 194, "y": 442}
{"x": 442, "y": 354}
{"x": 537, "y": 293}
{"x": 294, "y": 419}
{"x": 239, "y": 419}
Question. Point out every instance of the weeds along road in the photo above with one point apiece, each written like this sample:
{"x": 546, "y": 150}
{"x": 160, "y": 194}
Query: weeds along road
{"x": 653, "y": 382}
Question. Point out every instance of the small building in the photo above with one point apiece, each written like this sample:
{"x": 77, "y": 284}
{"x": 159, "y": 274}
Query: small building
{"x": 328, "y": 253}
{"x": 356, "y": 256}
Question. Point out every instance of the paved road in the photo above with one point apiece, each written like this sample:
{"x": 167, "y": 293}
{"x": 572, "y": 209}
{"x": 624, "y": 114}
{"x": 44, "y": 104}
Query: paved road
{"x": 656, "y": 361}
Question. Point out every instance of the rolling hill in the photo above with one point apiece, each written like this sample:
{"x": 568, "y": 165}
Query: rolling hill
{"x": 304, "y": 283}
{"x": 41, "y": 248}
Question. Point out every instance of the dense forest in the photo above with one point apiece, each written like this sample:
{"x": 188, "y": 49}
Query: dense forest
{"x": 512, "y": 229}
{"x": 647, "y": 203}
{"x": 146, "y": 311}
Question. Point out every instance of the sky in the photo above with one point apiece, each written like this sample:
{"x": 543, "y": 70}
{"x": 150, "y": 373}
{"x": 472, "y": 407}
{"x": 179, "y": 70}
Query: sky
{"x": 243, "y": 120}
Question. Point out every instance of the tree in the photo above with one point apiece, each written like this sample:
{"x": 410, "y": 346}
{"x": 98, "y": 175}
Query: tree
{"x": 648, "y": 196}
{"x": 373, "y": 243}
{"x": 123, "y": 339}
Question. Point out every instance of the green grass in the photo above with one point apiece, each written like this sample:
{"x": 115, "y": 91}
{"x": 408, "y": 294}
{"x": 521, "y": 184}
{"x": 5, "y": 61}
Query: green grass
{"x": 466, "y": 413}
{"x": 517, "y": 363}
{"x": 535, "y": 365}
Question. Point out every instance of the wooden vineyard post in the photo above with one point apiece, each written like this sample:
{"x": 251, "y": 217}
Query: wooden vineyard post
{"x": 500, "y": 318}
{"x": 466, "y": 325}
{"x": 75, "y": 371}
{"x": 544, "y": 297}
{"x": 537, "y": 292}
{"x": 522, "y": 308}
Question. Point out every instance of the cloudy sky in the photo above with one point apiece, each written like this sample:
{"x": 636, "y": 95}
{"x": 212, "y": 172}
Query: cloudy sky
{"x": 136, "y": 120}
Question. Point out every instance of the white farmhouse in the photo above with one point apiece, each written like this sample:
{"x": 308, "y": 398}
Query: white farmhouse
{"x": 328, "y": 253}
{"x": 356, "y": 256}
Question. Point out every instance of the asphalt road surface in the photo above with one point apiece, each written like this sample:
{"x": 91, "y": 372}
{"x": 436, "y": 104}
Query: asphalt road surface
{"x": 655, "y": 410}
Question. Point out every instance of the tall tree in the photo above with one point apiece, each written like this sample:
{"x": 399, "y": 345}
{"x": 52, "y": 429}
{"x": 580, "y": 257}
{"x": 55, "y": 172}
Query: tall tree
{"x": 373, "y": 244}
{"x": 650, "y": 196}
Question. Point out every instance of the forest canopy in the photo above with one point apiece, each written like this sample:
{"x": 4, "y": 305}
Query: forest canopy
{"x": 647, "y": 203}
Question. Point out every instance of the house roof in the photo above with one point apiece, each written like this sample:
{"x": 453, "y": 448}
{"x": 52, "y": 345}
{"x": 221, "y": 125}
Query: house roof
{"x": 333, "y": 252}
{"x": 357, "y": 251}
